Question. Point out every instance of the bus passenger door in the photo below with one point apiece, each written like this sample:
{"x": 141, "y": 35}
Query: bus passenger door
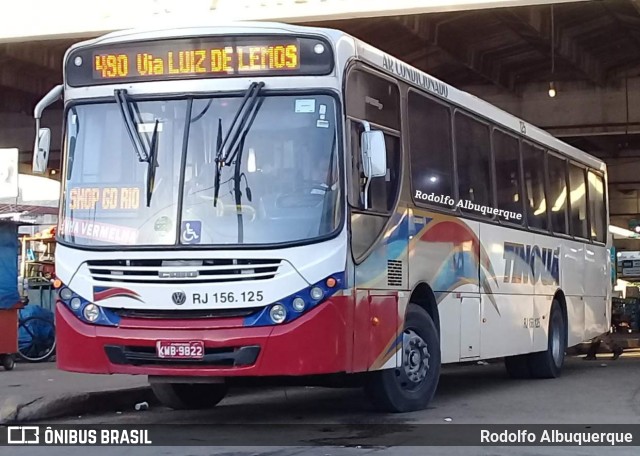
{"x": 470, "y": 327}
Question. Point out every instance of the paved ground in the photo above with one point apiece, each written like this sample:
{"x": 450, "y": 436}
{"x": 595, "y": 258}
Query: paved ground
{"x": 602, "y": 391}
{"x": 30, "y": 388}
{"x": 588, "y": 392}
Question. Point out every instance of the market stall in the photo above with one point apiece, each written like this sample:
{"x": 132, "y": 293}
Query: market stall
{"x": 10, "y": 302}
{"x": 37, "y": 267}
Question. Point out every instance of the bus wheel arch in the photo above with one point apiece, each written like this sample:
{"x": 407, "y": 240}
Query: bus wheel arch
{"x": 412, "y": 385}
{"x": 549, "y": 362}
{"x": 423, "y": 296}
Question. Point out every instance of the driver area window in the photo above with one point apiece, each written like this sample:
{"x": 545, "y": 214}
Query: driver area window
{"x": 376, "y": 100}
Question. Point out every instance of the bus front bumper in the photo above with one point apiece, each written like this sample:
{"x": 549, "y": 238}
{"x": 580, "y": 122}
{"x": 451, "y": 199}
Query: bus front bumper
{"x": 315, "y": 343}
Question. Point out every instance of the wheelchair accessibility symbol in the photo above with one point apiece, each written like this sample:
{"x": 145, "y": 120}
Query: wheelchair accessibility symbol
{"x": 191, "y": 232}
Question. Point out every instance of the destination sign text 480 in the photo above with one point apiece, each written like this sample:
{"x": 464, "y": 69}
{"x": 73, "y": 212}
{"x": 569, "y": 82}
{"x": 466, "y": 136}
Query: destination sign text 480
{"x": 228, "y": 60}
{"x": 198, "y": 57}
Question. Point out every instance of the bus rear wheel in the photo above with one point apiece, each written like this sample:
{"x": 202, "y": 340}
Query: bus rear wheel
{"x": 548, "y": 363}
{"x": 189, "y": 396}
{"x": 544, "y": 364}
{"x": 411, "y": 386}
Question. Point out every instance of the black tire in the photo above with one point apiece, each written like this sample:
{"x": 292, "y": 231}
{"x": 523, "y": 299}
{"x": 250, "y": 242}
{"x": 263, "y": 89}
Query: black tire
{"x": 518, "y": 366}
{"x": 8, "y": 362}
{"x": 412, "y": 386}
{"x": 548, "y": 363}
{"x": 189, "y": 396}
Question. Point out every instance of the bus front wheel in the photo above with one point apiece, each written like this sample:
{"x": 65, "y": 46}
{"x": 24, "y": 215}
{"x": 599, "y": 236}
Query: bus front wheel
{"x": 411, "y": 386}
{"x": 189, "y": 396}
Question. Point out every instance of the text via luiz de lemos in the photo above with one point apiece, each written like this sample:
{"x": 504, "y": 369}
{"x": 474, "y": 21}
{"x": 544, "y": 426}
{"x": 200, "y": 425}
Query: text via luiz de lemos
{"x": 555, "y": 437}
{"x": 50, "y": 436}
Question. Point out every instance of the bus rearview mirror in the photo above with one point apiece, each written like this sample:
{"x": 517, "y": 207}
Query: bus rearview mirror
{"x": 374, "y": 154}
{"x": 41, "y": 151}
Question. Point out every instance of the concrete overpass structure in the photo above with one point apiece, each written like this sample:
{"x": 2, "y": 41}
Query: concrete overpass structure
{"x": 505, "y": 51}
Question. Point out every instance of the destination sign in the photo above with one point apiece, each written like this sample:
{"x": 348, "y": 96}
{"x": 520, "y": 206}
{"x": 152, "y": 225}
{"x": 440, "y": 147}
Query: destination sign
{"x": 203, "y": 57}
{"x": 228, "y": 60}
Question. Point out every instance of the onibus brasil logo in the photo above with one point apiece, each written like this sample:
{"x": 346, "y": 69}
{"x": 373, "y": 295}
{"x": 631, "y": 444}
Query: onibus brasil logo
{"x": 34, "y": 435}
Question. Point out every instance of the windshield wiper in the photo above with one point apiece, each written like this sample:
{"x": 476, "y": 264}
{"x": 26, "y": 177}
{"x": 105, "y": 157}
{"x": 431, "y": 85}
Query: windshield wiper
{"x": 216, "y": 181}
{"x": 152, "y": 163}
{"x": 130, "y": 125}
{"x": 150, "y": 156}
{"x": 236, "y": 182}
{"x": 245, "y": 112}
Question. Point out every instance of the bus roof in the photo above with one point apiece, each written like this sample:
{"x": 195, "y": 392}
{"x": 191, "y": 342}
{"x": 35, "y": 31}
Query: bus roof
{"x": 369, "y": 54}
{"x": 470, "y": 102}
{"x": 173, "y": 30}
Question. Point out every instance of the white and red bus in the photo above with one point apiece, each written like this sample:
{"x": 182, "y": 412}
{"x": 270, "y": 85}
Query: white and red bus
{"x": 268, "y": 200}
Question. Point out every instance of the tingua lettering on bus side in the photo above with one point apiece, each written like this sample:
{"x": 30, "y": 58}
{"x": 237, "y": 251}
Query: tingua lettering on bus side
{"x": 523, "y": 261}
{"x": 414, "y": 76}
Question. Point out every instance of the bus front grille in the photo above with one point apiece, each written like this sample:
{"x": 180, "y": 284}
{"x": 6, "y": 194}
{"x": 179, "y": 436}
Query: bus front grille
{"x": 183, "y": 271}
{"x": 218, "y": 357}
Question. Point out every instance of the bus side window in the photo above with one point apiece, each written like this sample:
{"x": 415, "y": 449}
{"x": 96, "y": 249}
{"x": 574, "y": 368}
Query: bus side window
{"x": 536, "y": 202}
{"x": 578, "y": 201}
{"x": 376, "y": 100}
{"x": 430, "y": 147}
{"x": 557, "y": 172}
{"x": 473, "y": 159}
{"x": 506, "y": 150}
{"x": 597, "y": 210}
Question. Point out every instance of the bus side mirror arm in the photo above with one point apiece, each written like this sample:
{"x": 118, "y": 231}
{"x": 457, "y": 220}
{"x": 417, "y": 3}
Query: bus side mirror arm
{"x": 42, "y": 143}
{"x": 374, "y": 157}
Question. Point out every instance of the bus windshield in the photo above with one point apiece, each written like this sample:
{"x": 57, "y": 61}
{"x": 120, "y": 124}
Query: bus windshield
{"x": 279, "y": 183}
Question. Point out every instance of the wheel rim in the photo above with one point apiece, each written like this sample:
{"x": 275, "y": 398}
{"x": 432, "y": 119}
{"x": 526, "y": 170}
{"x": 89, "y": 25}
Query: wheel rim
{"x": 556, "y": 344}
{"x": 40, "y": 346}
{"x": 415, "y": 360}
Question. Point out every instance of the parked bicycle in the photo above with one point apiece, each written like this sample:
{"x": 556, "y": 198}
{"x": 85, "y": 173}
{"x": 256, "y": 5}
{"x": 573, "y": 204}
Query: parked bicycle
{"x": 36, "y": 336}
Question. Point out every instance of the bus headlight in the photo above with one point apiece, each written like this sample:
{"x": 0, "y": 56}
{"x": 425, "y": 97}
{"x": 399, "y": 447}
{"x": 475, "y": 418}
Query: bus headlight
{"x": 317, "y": 293}
{"x": 75, "y": 303}
{"x": 278, "y": 313}
{"x": 91, "y": 312}
{"x": 66, "y": 294}
{"x": 298, "y": 304}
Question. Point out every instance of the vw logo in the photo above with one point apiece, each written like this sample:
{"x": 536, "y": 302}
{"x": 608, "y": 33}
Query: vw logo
{"x": 179, "y": 298}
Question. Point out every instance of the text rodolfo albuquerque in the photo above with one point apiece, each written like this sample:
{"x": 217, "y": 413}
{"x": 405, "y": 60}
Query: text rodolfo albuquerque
{"x": 467, "y": 204}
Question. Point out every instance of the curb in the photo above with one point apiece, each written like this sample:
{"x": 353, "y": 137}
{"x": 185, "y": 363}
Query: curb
{"x": 16, "y": 410}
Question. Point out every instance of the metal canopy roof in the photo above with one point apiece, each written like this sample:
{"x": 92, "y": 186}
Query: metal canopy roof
{"x": 507, "y": 47}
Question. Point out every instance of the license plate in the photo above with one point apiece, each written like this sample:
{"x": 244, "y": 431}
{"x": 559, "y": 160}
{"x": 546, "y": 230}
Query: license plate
{"x": 193, "y": 349}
